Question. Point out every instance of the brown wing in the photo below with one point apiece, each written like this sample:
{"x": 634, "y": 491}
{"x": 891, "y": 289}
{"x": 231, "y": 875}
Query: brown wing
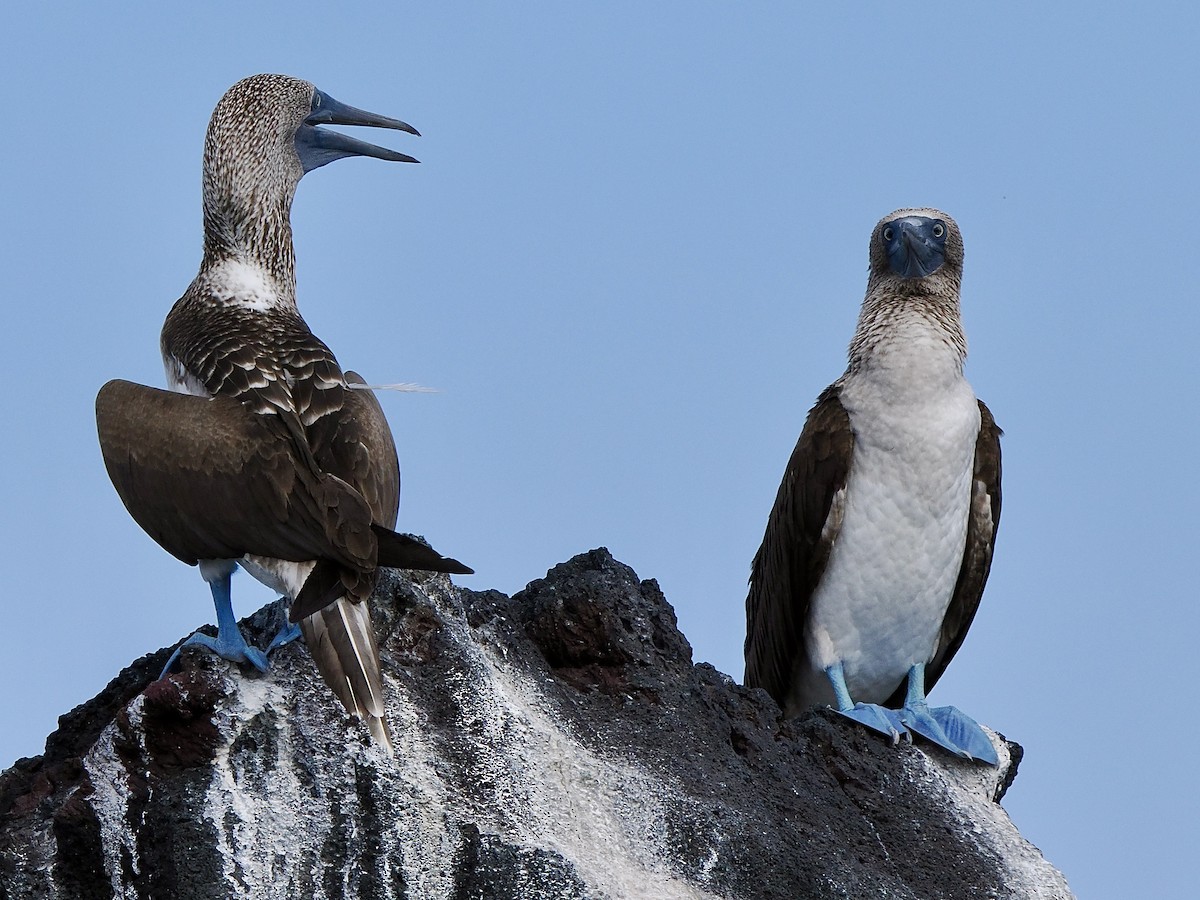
{"x": 800, "y": 533}
{"x": 209, "y": 479}
{"x": 356, "y": 445}
{"x": 982, "y": 522}
{"x": 274, "y": 365}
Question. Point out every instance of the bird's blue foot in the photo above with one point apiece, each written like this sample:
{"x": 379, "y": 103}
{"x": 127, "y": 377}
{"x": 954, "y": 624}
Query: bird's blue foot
{"x": 288, "y": 633}
{"x": 877, "y": 718}
{"x": 236, "y": 650}
{"x": 945, "y": 726}
{"x": 873, "y": 716}
{"x": 918, "y": 717}
{"x": 961, "y": 733}
{"x": 229, "y": 643}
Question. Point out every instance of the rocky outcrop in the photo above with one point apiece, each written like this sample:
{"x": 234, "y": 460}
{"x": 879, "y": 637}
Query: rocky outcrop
{"x": 556, "y": 744}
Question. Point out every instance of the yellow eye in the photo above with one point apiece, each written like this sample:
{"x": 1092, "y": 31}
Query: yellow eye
{"x": 888, "y": 234}
{"x": 939, "y": 229}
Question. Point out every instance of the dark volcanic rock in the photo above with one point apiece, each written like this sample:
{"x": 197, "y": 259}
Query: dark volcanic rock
{"x": 556, "y": 744}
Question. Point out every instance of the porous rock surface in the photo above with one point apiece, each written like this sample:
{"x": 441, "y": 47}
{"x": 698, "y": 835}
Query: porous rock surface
{"x": 556, "y": 744}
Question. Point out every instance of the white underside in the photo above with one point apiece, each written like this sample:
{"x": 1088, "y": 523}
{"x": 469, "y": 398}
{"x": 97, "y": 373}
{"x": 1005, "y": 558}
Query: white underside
{"x": 892, "y": 571}
{"x": 279, "y": 575}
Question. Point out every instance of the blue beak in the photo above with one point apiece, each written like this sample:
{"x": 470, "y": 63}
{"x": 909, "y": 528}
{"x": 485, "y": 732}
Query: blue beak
{"x": 317, "y": 147}
{"x": 915, "y": 248}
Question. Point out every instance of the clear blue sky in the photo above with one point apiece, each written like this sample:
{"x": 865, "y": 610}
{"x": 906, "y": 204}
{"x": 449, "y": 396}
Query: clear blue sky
{"x": 631, "y": 258}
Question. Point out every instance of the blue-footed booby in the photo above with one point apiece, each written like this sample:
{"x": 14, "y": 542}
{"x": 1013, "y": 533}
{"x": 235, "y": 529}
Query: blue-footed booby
{"x": 263, "y": 454}
{"x": 880, "y": 541}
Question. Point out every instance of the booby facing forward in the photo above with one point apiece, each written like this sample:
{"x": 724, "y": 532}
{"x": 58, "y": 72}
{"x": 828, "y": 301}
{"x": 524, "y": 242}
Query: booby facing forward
{"x": 264, "y": 454}
{"x": 880, "y": 541}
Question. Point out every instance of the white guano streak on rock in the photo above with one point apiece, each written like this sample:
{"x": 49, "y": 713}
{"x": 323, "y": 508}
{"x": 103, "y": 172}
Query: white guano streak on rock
{"x": 421, "y": 829}
{"x": 964, "y": 783}
{"x": 603, "y": 815}
{"x": 542, "y": 790}
{"x": 251, "y": 850}
{"x": 262, "y": 817}
{"x": 110, "y": 799}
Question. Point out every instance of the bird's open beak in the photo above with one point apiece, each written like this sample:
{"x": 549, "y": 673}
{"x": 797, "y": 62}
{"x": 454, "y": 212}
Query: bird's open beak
{"x": 317, "y": 146}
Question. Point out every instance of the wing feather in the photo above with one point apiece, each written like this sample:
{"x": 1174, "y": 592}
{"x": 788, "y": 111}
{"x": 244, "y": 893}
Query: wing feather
{"x": 801, "y": 530}
{"x": 209, "y": 479}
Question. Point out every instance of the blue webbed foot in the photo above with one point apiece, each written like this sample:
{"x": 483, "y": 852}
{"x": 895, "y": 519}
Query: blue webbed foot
{"x": 229, "y": 643}
{"x": 918, "y": 717}
{"x": 966, "y": 734}
{"x": 945, "y": 726}
{"x": 873, "y": 716}
{"x": 288, "y": 633}
{"x": 877, "y": 718}
{"x": 236, "y": 650}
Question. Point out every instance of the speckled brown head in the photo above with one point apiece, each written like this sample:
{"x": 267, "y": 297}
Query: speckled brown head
{"x": 263, "y": 137}
{"x": 917, "y": 251}
{"x": 915, "y": 276}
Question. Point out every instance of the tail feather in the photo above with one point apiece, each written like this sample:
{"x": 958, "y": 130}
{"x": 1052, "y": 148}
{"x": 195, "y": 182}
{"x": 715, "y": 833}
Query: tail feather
{"x": 322, "y": 586}
{"x": 402, "y": 551}
{"x": 342, "y": 643}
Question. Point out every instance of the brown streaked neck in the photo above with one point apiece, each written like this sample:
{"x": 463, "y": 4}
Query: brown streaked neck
{"x": 899, "y": 310}
{"x": 247, "y": 216}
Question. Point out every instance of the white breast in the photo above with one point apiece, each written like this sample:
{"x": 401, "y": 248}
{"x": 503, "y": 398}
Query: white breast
{"x": 892, "y": 571}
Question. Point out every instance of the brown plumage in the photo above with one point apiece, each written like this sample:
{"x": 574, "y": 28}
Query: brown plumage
{"x": 795, "y": 548}
{"x": 286, "y": 469}
{"x": 907, "y": 354}
{"x": 210, "y": 479}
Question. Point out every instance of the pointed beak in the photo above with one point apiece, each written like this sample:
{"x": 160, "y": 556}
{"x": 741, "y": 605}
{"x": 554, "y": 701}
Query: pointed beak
{"x": 317, "y": 147}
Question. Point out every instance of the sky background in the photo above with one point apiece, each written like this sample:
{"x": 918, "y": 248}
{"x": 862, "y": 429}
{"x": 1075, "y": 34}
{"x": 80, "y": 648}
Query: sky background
{"x": 631, "y": 258}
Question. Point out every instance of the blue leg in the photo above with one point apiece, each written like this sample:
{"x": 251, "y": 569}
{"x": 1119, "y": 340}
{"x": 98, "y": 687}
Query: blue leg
{"x": 873, "y": 716}
{"x": 229, "y": 643}
{"x": 946, "y": 726}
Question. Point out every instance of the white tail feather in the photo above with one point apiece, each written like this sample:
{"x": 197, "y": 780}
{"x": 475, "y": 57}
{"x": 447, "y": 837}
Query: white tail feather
{"x": 367, "y": 661}
{"x": 409, "y": 387}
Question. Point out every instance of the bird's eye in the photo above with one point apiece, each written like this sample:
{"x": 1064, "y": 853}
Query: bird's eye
{"x": 888, "y": 234}
{"x": 938, "y": 229}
